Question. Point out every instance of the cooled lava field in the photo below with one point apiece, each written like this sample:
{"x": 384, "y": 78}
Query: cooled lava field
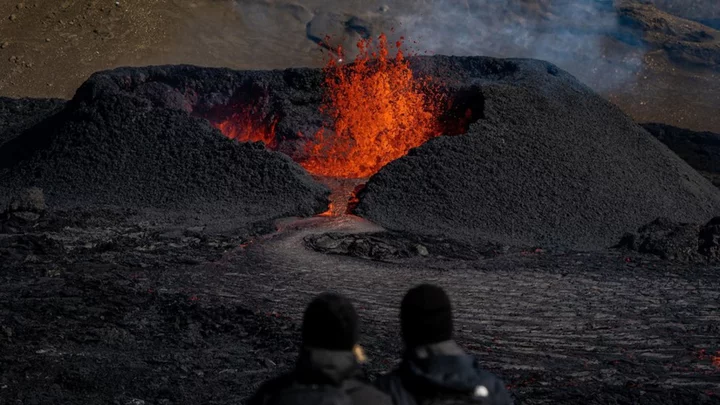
{"x": 163, "y": 229}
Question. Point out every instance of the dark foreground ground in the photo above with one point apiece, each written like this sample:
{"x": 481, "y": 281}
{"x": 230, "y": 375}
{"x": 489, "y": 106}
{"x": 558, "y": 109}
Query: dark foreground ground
{"x": 110, "y": 307}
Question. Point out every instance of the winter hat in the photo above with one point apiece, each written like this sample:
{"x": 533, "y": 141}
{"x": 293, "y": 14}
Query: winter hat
{"x": 330, "y": 322}
{"x": 425, "y": 316}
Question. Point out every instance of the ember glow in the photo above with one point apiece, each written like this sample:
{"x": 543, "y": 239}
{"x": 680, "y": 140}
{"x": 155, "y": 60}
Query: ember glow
{"x": 245, "y": 126}
{"x": 376, "y": 112}
{"x": 330, "y": 211}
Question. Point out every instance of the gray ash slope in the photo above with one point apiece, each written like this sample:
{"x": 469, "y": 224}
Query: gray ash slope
{"x": 550, "y": 164}
{"x": 130, "y": 137}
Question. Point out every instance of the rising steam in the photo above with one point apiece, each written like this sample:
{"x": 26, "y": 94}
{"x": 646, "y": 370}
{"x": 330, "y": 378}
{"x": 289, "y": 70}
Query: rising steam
{"x": 578, "y": 35}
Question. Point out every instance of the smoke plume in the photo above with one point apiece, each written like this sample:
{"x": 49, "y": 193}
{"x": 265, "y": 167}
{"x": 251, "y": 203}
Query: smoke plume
{"x": 580, "y": 36}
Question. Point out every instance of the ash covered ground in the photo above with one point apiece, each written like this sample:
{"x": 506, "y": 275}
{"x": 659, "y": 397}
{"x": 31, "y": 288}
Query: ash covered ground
{"x": 161, "y": 263}
{"x": 156, "y": 299}
{"x": 98, "y": 307}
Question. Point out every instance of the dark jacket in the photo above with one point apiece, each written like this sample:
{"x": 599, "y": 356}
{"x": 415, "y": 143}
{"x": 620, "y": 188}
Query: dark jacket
{"x": 316, "y": 379}
{"x": 442, "y": 372}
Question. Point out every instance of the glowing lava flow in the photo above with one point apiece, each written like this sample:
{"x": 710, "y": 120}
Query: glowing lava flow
{"x": 376, "y": 110}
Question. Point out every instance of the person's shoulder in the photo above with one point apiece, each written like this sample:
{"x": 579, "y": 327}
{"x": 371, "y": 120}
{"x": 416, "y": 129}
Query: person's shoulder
{"x": 487, "y": 378}
{"x": 385, "y": 381}
{"x": 362, "y": 392}
{"x": 492, "y": 387}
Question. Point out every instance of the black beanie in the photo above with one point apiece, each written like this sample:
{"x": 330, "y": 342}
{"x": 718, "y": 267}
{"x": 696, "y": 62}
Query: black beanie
{"x": 330, "y": 323}
{"x": 425, "y": 316}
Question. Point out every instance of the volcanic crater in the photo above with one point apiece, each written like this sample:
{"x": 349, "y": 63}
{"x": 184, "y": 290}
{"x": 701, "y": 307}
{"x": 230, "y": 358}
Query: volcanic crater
{"x": 542, "y": 160}
{"x": 368, "y": 113}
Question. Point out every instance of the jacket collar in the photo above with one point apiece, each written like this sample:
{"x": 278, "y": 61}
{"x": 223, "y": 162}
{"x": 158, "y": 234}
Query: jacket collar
{"x": 446, "y": 348}
{"x": 326, "y": 366}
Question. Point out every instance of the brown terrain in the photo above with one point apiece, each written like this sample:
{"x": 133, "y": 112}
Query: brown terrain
{"x": 658, "y": 66}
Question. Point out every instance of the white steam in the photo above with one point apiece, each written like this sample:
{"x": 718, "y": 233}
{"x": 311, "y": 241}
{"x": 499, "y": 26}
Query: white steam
{"x": 577, "y": 35}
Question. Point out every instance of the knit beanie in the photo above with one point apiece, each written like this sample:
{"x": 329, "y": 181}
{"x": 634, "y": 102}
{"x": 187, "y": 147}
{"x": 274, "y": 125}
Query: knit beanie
{"x": 425, "y": 316}
{"x": 330, "y": 322}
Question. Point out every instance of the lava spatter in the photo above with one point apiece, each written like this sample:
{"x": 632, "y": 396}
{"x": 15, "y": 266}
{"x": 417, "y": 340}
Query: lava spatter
{"x": 376, "y": 112}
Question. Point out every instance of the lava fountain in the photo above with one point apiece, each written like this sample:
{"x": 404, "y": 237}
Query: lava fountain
{"x": 376, "y": 112}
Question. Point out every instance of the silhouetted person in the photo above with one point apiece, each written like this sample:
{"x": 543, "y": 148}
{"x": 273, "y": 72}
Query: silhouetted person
{"x": 434, "y": 369}
{"x": 327, "y": 371}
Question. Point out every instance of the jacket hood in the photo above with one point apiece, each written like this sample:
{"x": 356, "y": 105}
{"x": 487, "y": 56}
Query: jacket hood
{"x": 316, "y": 366}
{"x": 444, "y": 367}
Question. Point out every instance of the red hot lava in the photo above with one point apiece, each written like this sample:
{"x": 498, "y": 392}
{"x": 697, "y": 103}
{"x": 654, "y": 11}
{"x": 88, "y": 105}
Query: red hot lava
{"x": 246, "y": 127}
{"x": 377, "y": 111}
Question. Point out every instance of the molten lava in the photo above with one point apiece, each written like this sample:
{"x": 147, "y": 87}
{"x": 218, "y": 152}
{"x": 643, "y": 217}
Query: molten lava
{"x": 376, "y": 110}
{"x": 246, "y": 127}
{"x": 330, "y": 211}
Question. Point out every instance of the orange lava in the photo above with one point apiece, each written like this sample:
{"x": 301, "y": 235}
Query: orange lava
{"x": 330, "y": 212}
{"x": 376, "y": 112}
{"x": 245, "y": 127}
{"x": 354, "y": 200}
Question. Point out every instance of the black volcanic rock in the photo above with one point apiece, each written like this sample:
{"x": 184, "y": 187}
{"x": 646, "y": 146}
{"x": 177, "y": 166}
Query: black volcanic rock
{"x": 17, "y": 115}
{"x": 550, "y": 164}
{"x": 132, "y": 137}
{"x": 676, "y": 241}
{"x": 665, "y": 238}
{"x": 701, "y": 150}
